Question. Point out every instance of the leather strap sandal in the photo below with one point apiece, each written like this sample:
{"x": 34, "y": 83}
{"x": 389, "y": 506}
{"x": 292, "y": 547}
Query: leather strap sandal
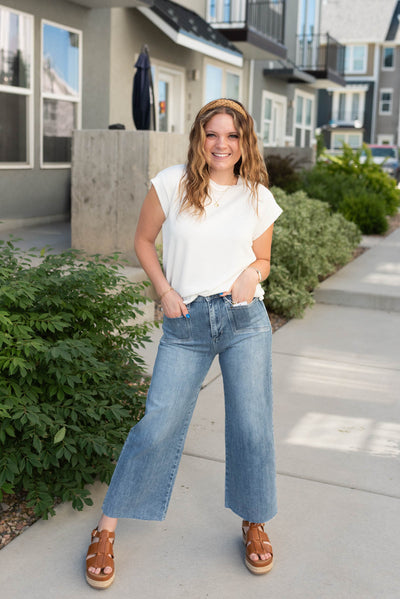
{"x": 100, "y": 555}
{"x": 257, "y": 541}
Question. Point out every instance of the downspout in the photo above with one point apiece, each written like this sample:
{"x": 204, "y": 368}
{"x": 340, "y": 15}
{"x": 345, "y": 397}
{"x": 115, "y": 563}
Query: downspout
{"x": 375, "y": 107}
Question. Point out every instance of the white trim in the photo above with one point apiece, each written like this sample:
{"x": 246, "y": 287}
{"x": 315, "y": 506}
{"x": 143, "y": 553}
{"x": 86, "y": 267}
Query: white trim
{"x": 303, "y": 126}
{"x": 76, "y": 99}
{"x": 351, "y": 70}
{"x": 177, "y": 76}
{"x": 385, "y": 139}
{"x": 224, "y": 70}
{"x": 185, "y": 40}
{"x": 30, "y": 93}
{"x": 345, "y": 135}
{"x": 275, "y": 99}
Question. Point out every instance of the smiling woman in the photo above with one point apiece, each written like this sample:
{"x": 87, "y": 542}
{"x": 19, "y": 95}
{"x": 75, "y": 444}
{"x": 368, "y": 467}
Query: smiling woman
{"x": 217, "y": 218}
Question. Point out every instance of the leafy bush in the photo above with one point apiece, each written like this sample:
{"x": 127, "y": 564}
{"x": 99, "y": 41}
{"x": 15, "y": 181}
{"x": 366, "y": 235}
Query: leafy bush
{"x": 71, "y": 380}
{"x": 282, "y": 172}
{"x": 343, "y": 180}
{"x": 308, "y": 244}
{"x": 367, "y": 211}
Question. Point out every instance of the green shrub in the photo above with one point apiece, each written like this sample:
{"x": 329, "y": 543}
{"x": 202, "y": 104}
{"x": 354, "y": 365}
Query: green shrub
{"x": 282, "y": 172}
{"x": 367, "y": 211}
{"x": 343, "y": 180}
{"x": 71, "y": 380}
{"x": 308, "y": 244}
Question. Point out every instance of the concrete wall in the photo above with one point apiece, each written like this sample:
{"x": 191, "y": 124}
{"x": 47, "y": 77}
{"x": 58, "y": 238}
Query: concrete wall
{"x": 111, "y": 172}
{"x": 29, "y": 194}
{"x": 302, "y": 157}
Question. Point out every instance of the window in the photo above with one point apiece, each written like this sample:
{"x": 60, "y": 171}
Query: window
{"x": 304, "y": 107}
{"x": 352, "y": 139}
{"x": 232, "y": 86}
{"x": 388, "y": 58}
{"x": 16, "y": 87}
{"x": 61, "y": 92}
{"x": 355, "y": 59}
{"x": 168, "y": 84}
{"x": 267, "y": 122}
{"x": 221, "y": 83}
{"x": 348, "y": 106}
{"x": 385, "y": 101}
{"x": 273, "y": 119}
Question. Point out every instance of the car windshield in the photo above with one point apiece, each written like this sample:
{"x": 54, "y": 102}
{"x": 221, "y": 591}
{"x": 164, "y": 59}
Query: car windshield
{"x": 383, "y": 152}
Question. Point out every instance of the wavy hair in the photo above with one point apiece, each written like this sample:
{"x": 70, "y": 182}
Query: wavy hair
{"x": 251, "y": 167}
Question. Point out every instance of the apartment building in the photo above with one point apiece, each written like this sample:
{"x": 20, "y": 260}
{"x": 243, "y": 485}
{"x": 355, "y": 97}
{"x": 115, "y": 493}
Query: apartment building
{"x": 367, "y": 109}
{"x": 69, "y": 64}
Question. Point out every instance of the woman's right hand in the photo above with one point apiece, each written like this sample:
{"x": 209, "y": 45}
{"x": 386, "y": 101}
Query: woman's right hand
{"x": 173, "y": 306}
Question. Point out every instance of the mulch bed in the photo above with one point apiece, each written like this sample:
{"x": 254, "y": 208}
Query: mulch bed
{"x": 16, "y": 517}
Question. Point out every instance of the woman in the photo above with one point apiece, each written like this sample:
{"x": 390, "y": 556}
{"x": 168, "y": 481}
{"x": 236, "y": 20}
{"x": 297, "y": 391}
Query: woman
{"x": 217, "y": 219}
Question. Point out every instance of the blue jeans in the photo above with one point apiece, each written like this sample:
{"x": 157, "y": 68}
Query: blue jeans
{"x": 142, "y": 482}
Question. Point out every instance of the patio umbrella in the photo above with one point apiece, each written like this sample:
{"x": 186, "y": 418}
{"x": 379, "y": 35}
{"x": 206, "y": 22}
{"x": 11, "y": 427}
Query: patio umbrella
{"x": 142, "y": 94}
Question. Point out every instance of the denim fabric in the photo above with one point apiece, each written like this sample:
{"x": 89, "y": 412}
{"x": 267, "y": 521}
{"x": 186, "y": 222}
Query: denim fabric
{"x": 142, "y": 482}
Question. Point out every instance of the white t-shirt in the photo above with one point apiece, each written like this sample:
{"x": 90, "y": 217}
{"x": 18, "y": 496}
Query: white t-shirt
{"x": 204, "y": 255}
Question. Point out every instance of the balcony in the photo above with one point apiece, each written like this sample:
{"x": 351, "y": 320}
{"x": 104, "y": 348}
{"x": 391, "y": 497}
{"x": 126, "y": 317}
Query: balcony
{"x": 256, "y": 28}
{"x": 348, "y": 118}
{"x": 321, "y": 56}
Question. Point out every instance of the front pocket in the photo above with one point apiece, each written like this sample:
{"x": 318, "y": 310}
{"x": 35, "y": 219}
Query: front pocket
{"x": 253, "y": 316}
{"x": 177, "y": 328}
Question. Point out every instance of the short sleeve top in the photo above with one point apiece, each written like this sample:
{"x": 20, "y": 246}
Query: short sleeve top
{"x": 203, "y": 255}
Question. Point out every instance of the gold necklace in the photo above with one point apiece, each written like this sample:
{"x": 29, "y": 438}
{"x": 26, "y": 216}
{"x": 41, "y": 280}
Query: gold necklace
{"x": 216, "y": 202}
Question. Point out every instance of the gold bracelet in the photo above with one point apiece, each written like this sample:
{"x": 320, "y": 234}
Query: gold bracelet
{"x": 258, "y": 272}
{"x": 165, "y": 292}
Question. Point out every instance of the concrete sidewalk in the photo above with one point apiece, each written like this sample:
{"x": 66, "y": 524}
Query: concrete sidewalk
{"x": 337, "y": 424}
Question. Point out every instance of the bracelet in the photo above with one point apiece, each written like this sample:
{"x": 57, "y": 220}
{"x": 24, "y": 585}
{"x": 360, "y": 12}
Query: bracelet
{"x": 165, "y": 292}
{"x": 258, "y": 272}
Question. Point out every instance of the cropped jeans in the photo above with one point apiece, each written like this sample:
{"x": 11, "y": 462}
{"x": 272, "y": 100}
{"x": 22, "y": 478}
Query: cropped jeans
{"x": 144, "y": 476}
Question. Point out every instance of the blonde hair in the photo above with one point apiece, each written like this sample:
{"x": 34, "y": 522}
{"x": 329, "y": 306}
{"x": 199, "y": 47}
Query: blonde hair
{"x": 251, "y": 167}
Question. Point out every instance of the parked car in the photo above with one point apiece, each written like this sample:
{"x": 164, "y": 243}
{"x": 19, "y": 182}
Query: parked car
{"x": 387, "y": 156}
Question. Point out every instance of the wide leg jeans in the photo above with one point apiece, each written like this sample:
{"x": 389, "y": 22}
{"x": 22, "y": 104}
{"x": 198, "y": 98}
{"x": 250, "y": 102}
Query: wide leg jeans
{"x": 144, "y": 476}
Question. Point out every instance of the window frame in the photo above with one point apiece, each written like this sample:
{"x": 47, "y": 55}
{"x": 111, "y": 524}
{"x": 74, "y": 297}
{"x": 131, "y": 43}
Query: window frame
{"x": 226, "y": 69}
{"x": 349, "y": 62}
{"x": 275, "y": 99}
{"x": 304, "y": 127}
{"x": 158, "y": 71}
{"x": 345, "y": 135}
{"x": 30, "y": 94}
{"x": 59, "y": 97}
{"x": 385, "y": 90}
{"x": 391, "y": 68}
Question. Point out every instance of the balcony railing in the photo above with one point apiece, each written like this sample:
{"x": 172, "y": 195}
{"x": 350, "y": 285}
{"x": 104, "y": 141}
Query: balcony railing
{"x": 320, "y": 52}
{"x": 265, "y": 18}
{"x": 348, "y": 117}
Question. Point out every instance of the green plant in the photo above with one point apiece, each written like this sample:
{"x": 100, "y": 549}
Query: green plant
{"x": 282, "y": 172}
{"x": 342, "y": 180}
{"x": 366, "y": 210}
{"x": 71, "y": 380}
{"x": 309, "y": 243}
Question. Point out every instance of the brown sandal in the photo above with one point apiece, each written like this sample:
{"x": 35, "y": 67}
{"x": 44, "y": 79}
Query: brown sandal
{"x": 101, "y": 554}
{"x": 257, "y": 541}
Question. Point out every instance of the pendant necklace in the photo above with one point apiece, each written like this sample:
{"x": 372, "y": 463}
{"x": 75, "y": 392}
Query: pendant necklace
{"x": 221, "y": 194}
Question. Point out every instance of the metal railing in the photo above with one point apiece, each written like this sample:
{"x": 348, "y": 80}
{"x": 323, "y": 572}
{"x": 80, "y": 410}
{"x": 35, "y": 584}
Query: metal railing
{"x": 319, "y": 52}
{"x": 264, "y": 17}
{"x": 347, "y": 116}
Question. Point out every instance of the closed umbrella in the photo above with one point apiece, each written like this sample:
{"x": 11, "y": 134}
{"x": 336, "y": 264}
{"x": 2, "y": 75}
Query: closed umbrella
{"x": 142, "y": 94}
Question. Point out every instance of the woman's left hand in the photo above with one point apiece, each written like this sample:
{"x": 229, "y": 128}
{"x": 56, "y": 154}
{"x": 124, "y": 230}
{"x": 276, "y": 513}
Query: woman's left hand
{"x": 244, "y": 288}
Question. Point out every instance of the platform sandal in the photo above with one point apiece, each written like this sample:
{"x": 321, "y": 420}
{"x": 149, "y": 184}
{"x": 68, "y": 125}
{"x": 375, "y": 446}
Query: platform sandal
{"x": 100, "y": 555}
{"x": 257, "y": 541}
